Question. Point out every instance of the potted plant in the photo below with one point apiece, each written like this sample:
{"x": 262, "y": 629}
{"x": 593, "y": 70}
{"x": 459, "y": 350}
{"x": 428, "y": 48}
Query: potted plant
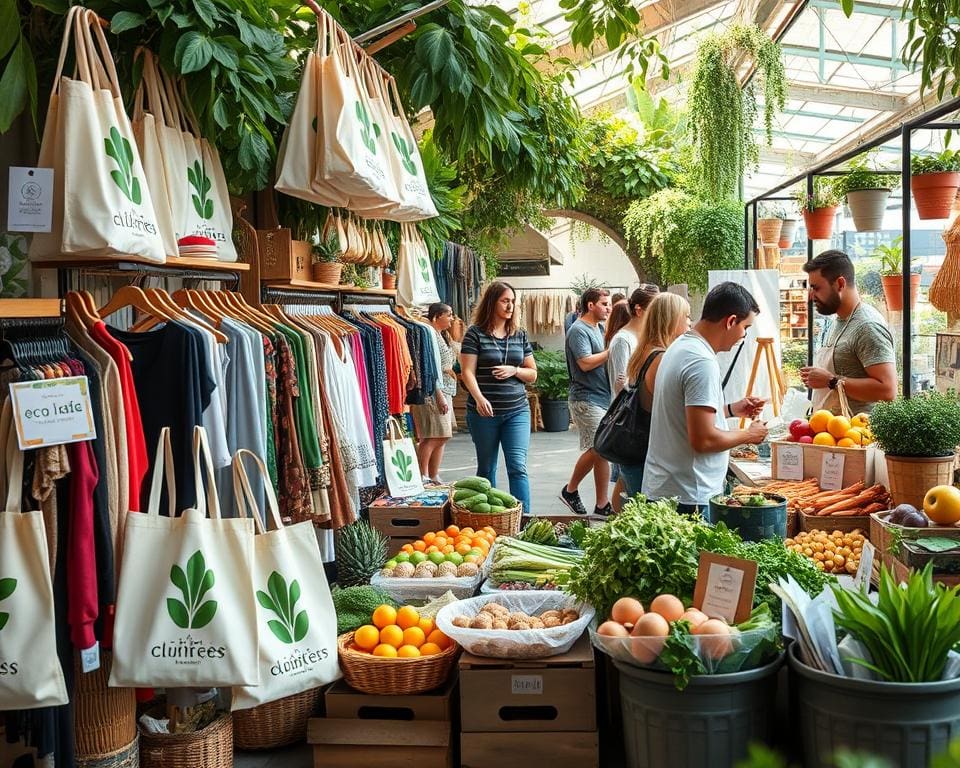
{"x": 325, "y": 268}
{"x": 891, "y": 275}
{"x": 819, "y": 209}
{"x": 553, "y": 386}
{"x": 770, "y": 228}
{"x": 866, "y": 194}
{"x": 934, "y": 180}
{"x": 788, "y": 230}
{"x": 919, "y": 436}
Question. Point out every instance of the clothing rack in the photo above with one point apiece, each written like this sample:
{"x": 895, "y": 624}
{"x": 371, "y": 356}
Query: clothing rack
{"x": 277, "y": 295}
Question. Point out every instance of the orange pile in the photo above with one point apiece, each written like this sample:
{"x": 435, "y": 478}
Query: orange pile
{"x": 400, "y": 633}
{"x": 473, "y": 546}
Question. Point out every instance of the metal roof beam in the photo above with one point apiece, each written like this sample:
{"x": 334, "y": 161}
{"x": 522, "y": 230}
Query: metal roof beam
{"x": 881, "y": 101}
{"x": 867, "y": 59}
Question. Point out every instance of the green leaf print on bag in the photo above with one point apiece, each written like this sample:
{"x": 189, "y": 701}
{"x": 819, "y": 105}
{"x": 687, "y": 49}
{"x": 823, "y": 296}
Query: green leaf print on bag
{"x": 424, "y": 268}
{"x": 120, "y": 150}
{"x": 199, "y": 180}
{"x": 402, "y": 462}
{"x": 194, "y": 584}
{"x": 405, "y": 149}
{"x": 369, "y": 131}
{"x": 292, "y": 626}
{"x": 7, "y": 586}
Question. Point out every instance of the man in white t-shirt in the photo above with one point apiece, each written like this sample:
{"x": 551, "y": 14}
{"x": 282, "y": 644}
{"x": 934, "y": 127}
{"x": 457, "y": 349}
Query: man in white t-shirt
{"x": 689, "y": 438}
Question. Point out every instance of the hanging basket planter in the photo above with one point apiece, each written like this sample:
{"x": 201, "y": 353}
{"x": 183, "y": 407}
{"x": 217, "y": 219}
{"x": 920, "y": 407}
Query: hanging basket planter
{"x": 787, "y": 233}
{"x": 769, "y": 230}
{"x": 867, "y": 207}
{"x": 819, "y": 222}
{"x": 893, "y": 291}
{"x": 934, "y": 193}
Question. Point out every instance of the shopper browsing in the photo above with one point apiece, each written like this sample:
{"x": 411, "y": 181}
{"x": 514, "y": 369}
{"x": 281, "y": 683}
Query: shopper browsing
{"x": 688, "y": 454}
{"x": 434, "y": 420}
{"x": 858, "y": 349}
{"x": 496, "y": 362}
{"x": 589, "y": 398}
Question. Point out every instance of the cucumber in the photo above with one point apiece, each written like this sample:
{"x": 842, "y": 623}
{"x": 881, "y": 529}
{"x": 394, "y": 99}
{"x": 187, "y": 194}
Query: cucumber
{"x": 482, "y": 508}
{"x": 479, "y": 484}
{"x": 464, "y": 493}
{"x": 496, "y": 509}
{"x": 503, "y": 498}
{"x": 477, "y": 498}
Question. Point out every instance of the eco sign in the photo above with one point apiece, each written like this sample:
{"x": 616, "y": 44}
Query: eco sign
{"x": 194, "y": 584}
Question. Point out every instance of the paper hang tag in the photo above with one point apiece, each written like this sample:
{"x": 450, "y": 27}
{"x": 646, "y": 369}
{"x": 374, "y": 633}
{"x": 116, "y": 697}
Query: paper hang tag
{"x": 725, "y": 587}
{"x": 30, "y": 200}
{"x": 831, "y": 471}
{"x": 790, "y": 462}
{"x": 90, "y": 658}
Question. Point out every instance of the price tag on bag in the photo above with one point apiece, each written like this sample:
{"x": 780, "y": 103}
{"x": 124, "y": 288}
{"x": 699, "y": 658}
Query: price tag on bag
{"x": 831, "y": 471}
{"x": 52, "y": 412}
{"x": 789, "y": 462}
{"x": 30, "y": 200}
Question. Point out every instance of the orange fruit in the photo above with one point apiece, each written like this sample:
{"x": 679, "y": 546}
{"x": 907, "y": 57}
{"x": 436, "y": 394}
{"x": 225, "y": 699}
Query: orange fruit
{"x": 430, "y": 649}
{"x": 408, "y": 548}
{"x": 427, "y": 625}
{"x": 439, "y": 639}
{"x": 447, "y": 549}
{"x": 385, "y": 650}
{"x": 824, "y": 438}
{"x": 391, "y": 635}
{"x": 846, "y": 442}
{"x": 408, "y": 652}
{"x": 367, "y": 637}
{"x": 838, "y": 426}
{"x": 414, "y": 636}
{"x": 463, "y": 548}
{"x": 384, "y": 616}
{"x": 467, "y": 531}
{"x": 489, "y": 529}
{"x": 429, "y": 537}
{"x": 432, "y": 548}
{"x": 419, "y": 545}
{"x": 820, "y": 421}
{"x": 407, "y": 617}
{"x": 452, "y": 530}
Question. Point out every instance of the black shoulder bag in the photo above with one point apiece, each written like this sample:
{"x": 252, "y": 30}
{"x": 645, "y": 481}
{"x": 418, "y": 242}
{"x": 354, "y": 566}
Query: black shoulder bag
{"x": 624, "y": 431}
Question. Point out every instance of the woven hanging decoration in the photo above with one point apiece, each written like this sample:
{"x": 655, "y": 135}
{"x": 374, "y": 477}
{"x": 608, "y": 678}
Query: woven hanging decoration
{"x": 945, "y": 288}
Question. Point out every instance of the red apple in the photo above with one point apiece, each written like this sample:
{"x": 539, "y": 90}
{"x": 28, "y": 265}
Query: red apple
{"x": 799, "y": 428}
{"x": 806, "y": 439}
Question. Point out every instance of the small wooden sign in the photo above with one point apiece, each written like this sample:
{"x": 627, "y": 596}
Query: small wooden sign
{"x": 725, "y": 587}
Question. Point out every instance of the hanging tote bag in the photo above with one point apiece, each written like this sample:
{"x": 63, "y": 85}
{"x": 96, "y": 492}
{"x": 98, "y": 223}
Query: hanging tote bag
{"x": 416, "y": 203}
{"x": 185, "y": 613}
{"x": 102, "y": 203}
{"x": 400, "y": 463}
{"x": 416, "y": 284}
{"x": 297, "y": 620}
{"x": 30, "y": 672}
{"x": 624, "y": 431}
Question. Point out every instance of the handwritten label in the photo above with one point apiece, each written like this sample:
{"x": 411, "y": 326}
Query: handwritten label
{"x": 790, "y": 462}
{"x": 526, "y": 685}
{"x": 30, "y": 200}
{"x": 52, "y": 412}
{"x": 831, "y": 471}
{"x": 865, "y": 571}
{"x": 725, "y": 587}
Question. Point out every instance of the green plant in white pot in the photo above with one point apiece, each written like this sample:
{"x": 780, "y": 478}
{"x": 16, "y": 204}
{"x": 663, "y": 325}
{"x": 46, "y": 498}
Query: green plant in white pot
{"x": 866, "y": 192}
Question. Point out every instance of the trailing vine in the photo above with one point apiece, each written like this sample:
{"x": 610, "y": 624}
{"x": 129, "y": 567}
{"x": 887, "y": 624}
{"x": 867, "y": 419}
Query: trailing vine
{"x": 722, "y": 114}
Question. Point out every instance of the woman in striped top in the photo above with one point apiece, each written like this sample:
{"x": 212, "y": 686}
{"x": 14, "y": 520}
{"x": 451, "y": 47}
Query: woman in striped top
{"x": 496, "y": 362}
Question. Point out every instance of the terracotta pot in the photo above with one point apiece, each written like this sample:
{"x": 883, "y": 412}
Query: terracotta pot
{"x": 388, "y": 280}
{"x": 934, "y": 193}
{"x": 768, "y": 230}
{"x": 867, "y": 207}
{"x": 787, "y": 233}
{"x": 893, "y": 291}
{"x": 327, "y": 272}
{"x": 819, "y": 223}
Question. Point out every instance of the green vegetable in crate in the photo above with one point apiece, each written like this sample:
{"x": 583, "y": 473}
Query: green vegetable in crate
{"x": 496, "y": 509}
{"x": 476, "y": 483}
{"x": 540, "y": 532}
{"x": 483, "y": 508}
{"x": 463, "y": 494}
{"x": 361, "y": 552}
{"x": 355, "y": 605}
{"x": 502, "y": 498}
{"x": 473, "y": 501}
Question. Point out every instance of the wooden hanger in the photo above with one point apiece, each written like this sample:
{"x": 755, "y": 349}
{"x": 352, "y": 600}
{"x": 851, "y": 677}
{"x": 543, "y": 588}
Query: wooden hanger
{"x": 197, "y": 301}
{"x": 174, "y": 312}
{"x": 79, "y": 311}
{"x": 132, "y": 296}
{"x": 236, "y": 306}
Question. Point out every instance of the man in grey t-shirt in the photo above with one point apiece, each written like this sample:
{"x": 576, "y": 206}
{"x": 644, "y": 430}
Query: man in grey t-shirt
{"x": 858, "y": 349}
{"x": 589, "y": 398}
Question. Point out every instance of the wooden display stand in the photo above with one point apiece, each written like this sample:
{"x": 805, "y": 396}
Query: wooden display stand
{"x": 778, "y": 388}
{"x": 858, "y": 463}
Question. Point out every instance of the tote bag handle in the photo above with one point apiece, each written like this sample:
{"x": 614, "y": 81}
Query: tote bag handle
{"x": 208, "y": 504}
{"x": 394, "y": 432}
{"x": 163, "y": 469}
{"x": 244, "y": 492}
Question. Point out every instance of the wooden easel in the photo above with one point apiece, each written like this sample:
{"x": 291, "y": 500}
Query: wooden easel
{"x": 778, "y": 388}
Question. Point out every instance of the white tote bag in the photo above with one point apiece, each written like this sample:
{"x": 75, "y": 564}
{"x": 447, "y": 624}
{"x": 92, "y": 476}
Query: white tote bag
{"x": 30, "y": 673}
{"x": 185, "y": 613}
{"x": 416, "y": 284}
{"x": 102, "y": 203}
{"x": 297, "y": 620}
{"x": 400, "y": 463}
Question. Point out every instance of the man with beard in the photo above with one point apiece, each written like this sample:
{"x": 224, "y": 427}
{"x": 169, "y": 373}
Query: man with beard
{"x": 858, "y": 349}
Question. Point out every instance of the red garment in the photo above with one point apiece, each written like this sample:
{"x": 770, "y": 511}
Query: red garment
{"x": 82, "y": 598}
{"x": 137, "y": 460}
{"x": 396, "y": 386}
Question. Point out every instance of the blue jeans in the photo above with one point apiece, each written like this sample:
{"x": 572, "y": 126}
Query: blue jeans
{"x": 512, "y": 431}
{"x": 632, "y": 475}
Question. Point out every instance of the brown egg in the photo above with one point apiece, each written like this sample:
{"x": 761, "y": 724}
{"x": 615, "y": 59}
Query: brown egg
{"x": 626, "y": 610}
{"x": 715, "y": 640}
{"x": 612, "y": 629}
{"x": 668, "y": 606}
{"x": 695, "y": 617}
{"x": 649, "y": 635}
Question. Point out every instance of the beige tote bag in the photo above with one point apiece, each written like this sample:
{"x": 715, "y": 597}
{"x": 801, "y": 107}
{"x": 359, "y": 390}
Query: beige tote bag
{"x": 297, "y": 620}
{"x": 102, "y": 204}
{"x": 30, "y": 672}
{"x": 185, "y": 613}
{"x": 416, "y": 284}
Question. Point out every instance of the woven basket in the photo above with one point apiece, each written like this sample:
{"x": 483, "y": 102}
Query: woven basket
{"x": 126, "y": 757}
{"x": 387, "y": 677}
{"x": 505, "y": 524}
{"x": 210, "y": 748}
{"x": 327, "y": 272}
{"x": 831, "y": 523}
{"x": 105, "y": 719}
{"x": 276, "y": 724}
{"x": 911, "y": 477}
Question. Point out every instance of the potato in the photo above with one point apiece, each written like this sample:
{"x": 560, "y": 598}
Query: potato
{"x": 519, "y": 625}
{"x": 552, "y": 621}
{"x": 536, "y": 623}
{"x": 482, "y": 621}
{"x": 499, "y": 624}
{"x": 461, "y": 621}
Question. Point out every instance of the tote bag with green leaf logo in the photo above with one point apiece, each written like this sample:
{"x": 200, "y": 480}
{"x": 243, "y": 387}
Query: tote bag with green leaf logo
{"x": 186, "y": 614}
{"x": 297, "y": 620}
{"x": 400, "y": 463}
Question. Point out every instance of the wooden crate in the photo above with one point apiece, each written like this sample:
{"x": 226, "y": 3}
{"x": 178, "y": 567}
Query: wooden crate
{"x": 572, "y": 749}
{"x": 881, "y": 535}
{"x": 902, "y": 572}
{"x": 406, "y": 520}
{"x": 858, "y": 463}
{"x": 282, "y": 257}
{"x": 831, "y": 523}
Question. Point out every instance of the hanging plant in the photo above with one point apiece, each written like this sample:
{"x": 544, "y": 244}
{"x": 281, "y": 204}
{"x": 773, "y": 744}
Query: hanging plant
{"x": 722, "y": 114}
{"x": 448, "y": 197}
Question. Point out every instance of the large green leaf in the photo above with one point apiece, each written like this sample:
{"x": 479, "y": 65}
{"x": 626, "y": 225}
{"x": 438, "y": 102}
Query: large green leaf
{"x": 204, "y": 615}
{"x": 224, "y": 53}
{"x": 13, "y": 87}
{"x": 178, "y": 613}
{"x": 280, "y": 631}
{"x": 301, "y": 626}
{"x": 9, "y": 26}
{"x": 126, "y": 20}
{"x": 266, "y": 601}
{"x": 434, "y": 46}
{"x": 196, "y": 570}
{"x": 193, "y": 52}
{"x": 179, "y": 579}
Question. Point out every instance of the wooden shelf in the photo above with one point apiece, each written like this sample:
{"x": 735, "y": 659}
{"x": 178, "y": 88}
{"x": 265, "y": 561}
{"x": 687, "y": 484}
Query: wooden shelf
{"x": 22, "y": 308}
{"x": 132, "y": 263}
{"x": 310, "y": 285}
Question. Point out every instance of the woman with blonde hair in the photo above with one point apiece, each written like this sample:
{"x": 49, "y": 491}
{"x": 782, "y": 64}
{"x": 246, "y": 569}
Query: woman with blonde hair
{"x": 665, "y": 320}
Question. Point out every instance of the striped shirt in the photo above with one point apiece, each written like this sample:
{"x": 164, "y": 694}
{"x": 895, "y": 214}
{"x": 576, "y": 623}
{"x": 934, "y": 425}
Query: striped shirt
{"x": 505, "y": 396}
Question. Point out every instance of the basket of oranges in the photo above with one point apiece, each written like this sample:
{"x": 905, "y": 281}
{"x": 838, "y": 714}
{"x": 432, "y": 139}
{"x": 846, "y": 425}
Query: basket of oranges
{"x": 400, "y": 652}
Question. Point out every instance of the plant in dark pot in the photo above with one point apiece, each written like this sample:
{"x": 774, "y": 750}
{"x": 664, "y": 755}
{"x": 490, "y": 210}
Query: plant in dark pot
{"x": 553, "y": 386}
{"x": 891, "y": 275}
{"x": 934, "y": 180}
{"x": 919, "y": 436}
{"x": 818, "y": 209}
{"x": 866, "y": 192}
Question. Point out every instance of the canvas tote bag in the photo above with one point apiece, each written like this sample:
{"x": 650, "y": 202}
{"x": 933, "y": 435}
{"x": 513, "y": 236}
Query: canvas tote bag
{"x": 297, "y": 620}
{"x": 102, "y": 203}
{"x": 400, "y": 463}
{"x": 30, "y": 672}
{"x": 185, "y": 613}
{"x": 416, "y": 284}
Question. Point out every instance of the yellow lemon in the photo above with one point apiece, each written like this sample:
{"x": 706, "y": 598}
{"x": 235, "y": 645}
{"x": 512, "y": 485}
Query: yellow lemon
{"x": 846, "y": 442}
{"x": 838, "y": 426}
{"x": 861, "y": 420}
{"x": 855, "y": 436}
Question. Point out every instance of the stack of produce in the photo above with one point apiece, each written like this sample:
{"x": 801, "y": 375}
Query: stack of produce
{"x": 826, "y": 429}
{"x": 792, "y": 490}
{"x": 493, "y": 615}
{"x": 403, "y": 634}
{"x": 450, "y": 553}
{"x": 854, "y": 500}
{"x": 475, "y": 494}
{"x": 519, "y": 564}
{"x": 836, "y": 552}
{"x": 361, "y": 550}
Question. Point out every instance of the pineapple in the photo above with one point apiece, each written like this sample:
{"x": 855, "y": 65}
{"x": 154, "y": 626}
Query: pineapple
{"x": 361, "y": 552}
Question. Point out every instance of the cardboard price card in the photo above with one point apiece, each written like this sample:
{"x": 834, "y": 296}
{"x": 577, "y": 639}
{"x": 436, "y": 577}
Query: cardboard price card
{"x": 52, "y": 412}
{"x": 725, "y": 587}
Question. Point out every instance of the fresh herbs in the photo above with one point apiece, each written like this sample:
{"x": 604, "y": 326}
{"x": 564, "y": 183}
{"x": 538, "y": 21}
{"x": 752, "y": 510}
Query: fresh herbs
{"x": 910, "y": 630}
{"x": 824, "y": 196}
{"x": 859, "y": 176}
{"x": 944, "y": 162}
{"x": 518, "y": 560}
{"x": 925, "y": 425}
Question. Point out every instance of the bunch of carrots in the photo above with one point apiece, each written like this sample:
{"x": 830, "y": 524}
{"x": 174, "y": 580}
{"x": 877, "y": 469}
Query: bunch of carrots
{"x": 806, "y": 496}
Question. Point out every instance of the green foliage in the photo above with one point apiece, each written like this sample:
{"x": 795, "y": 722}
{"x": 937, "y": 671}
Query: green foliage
{"x": 620, "y": 165}
{"x": 449, "y": 198}
{"x": 355, "y": 605}
{"x": 891, "y": 256}
{"x": 927, "y": 424}
{"x": 687, "y": 236}
{"x": 824, "y": 195}
{"x": 948, "y": 160}
{"x": 553, "y": 379}
{"x": 722, "y": 115}
{"x": 194, "y": 583}
{"x": 18, "y": 83}
{"x": 663, "y": 126}
{"x": 933, "y": 39}
{"x": 859, "y": 177}
{"x": 584, "y": 282}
